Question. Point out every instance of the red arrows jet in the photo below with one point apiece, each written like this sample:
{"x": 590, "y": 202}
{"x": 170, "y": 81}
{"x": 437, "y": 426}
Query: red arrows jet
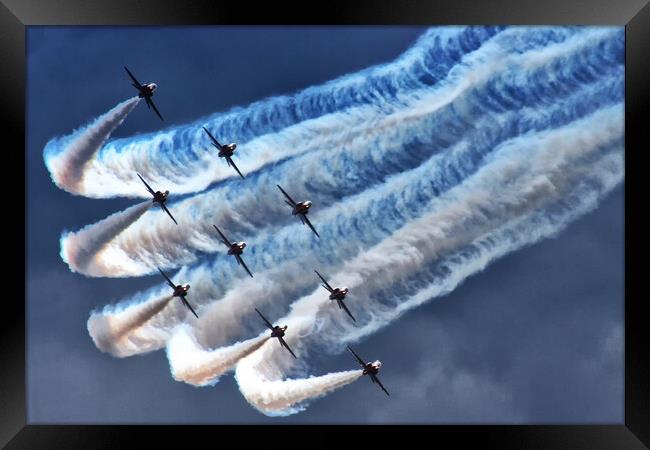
{"x": 300, "y": 209}
{"x": 371, "y": 369}
{"x": 145, "y": 91}
{"x": 225, "y": 151}
{"x": 277, "y": 331}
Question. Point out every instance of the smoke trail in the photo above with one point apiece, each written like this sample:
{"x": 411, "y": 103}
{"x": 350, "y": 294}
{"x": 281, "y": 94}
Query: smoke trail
{"x": 194, "y": 365}
{"x": 285, "y": 397}
{"x": 153, "y": 334}
{"x": 325, "y": 174}
{"x": 118, "y": 333}
{"x": 67, "y": 158}
{"x": 79, "y": 249}
{"x": 224, "y": 319}
{"x": 520, "y": 197}
{"x": 180, "y": 155}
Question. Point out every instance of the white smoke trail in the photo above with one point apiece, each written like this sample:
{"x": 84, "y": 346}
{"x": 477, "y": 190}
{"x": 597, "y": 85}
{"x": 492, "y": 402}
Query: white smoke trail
{"x": 281, "y": 398}
{"x": 152, "y": 334}
{"x": 507, "y": 204}
{"x": 67, "y": 159}
{"x": 191, "y": 363}
{"x": 225, "y": 318}
{"x": 161, "y": 241}
{"x": 118, "y": 333}
{"x": 79, "y": 249}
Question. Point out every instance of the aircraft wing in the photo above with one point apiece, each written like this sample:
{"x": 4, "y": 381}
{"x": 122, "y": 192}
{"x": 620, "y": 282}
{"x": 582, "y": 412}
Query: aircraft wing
{"x": 148, "y": 187}
{"x": 284, "y": 344}
{"x": 363, "y": 364}
{"x": 343, "y": 305}
{"x": 310, "y": 225}
{"x": 167, "y": 211}
{"x": 186, "y": 303}
{"x": 326, "y": 285}
{"x": 212, "y": 138}
{"x": 167, "y": 278}
{"x": 287, "y": 195}
{"x": 241, "y": 261}
{"x": 268, "y": 324}
{"x": 153, "y": 105}
{"x": 376, "y": 380}
{"x": 230, "y": 161}
{"x": 133, "y": 78}
{"x": 224, "y": 239}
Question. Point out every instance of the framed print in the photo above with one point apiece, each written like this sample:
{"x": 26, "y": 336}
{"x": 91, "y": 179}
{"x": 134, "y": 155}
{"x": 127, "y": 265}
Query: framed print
{"x": 381, "y": 218}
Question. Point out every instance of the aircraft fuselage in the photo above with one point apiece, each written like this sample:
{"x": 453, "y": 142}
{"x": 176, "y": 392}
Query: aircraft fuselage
{"x": 339, "y": 294}
{"x": 160, "y": 197}
{"x": 301, "y": 208}
{"x": 237, "y": 248}
{"x": 181, "y": 290}
{"x": 146, "y": 90}
{"x": 278, "y": 331}
{"x": 227, "y": 150}
{"x": 372, "y": 368}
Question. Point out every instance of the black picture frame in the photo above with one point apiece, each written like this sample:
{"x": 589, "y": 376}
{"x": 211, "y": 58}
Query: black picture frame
{"x": 15, "y": 15}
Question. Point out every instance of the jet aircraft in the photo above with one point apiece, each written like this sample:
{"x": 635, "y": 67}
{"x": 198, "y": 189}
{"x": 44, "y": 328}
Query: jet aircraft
{"x": 180, "y": 291}
{"x": 300, "y": 209}
{"x": 234, "y": 248}
{"x": 276, "y": 331}
{"x": 159, "y": 197}
{"x": 144, "y": 91}
{"x": 225, "y": 151}
{"x": 337, "y": 294}
{"x": 370, "y": 369}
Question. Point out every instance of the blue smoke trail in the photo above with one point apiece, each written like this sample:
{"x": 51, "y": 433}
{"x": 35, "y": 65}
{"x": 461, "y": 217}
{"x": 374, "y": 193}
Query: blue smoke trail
{"x": 68, "y": 158}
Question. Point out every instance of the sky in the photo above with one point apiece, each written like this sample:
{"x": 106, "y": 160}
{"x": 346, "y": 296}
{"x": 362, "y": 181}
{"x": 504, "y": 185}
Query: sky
{"x": 536, "y": 337}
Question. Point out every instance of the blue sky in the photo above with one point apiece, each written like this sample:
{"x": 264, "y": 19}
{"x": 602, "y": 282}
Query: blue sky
{"x": 536, "y": 337}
